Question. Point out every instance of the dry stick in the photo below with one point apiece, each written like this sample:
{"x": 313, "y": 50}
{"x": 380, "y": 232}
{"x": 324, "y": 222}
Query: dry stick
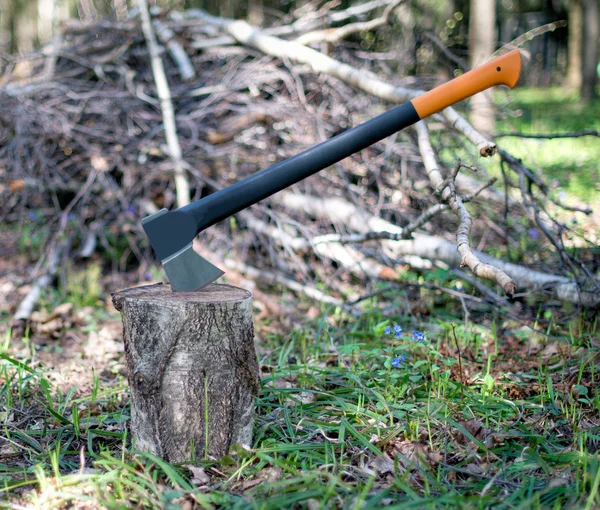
{"x": 178, "y": 54}
{"x": 468, "y": 257}
{"x": 347, "y": 257}
{"x": 527, "y": 36}
{"x": 552, "y": 136}
{"x": 320, "y": 63}
{"x": 27, "y": 306}
{"x": 337, "y": 34}
{"x": 166, "y": 105}
{"x": 340, "y": 211}
{"x": 273, "y": 277}
{"x": 518, "y": 166}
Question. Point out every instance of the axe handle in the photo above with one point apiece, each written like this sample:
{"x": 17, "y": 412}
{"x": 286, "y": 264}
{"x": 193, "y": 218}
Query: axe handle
{"x": 223, "y": 203}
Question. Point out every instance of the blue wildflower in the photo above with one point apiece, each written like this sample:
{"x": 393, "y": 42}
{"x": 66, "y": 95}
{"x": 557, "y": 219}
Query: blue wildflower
{"x": 417, "y": 336}
{"x": 32, "y": 216}
{"x": 398, "y": 328}
{"x": 533, "y": 233}
{"x": 148, "y": 275}
{"x": 398, "y": 334}
{"x": 396, "y": 361}
{"x": 387, "y": 330}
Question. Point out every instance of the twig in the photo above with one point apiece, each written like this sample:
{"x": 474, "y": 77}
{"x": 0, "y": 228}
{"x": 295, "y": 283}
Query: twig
{"x": 337, "y": 34}
{"x": 551, "y": 136}
{"x": 178, "y": 54}
{"x": 339, "y": 211}
{"x": 320, "y": 63}
{"x": 164, "y": 93}
{"x": 273, "y": 277}
{"x": 527, "y": 36}
{"x": 468, "y": 257}
{"x": 28, "y": 304}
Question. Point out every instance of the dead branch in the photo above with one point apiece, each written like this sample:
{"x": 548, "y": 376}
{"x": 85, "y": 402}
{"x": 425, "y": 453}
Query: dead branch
{"x": 27, "y": 306}
{"x": 446, "y": 189}
{"x": 550, "y": 136}
{"x": 336, "y": 210}
{"x": 164, "y": 93}
{"x": 320, "y": 63}
{"x": 178, "y": 54}
{"x": 331, "y": 35}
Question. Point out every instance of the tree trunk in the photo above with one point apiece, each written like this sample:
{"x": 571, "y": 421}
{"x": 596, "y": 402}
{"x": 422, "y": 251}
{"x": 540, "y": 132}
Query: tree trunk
{"x": 591, "y": 34}
{"x": 482, "y": 42}
{"x": 192, "y": 369}
{"x": 575, "y": 46}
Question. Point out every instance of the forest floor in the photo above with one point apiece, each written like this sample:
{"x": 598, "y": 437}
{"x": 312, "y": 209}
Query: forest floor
{"x": 442, "y": 407}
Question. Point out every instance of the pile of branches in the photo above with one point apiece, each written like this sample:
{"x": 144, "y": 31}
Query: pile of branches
{"x": 116, "y": 119}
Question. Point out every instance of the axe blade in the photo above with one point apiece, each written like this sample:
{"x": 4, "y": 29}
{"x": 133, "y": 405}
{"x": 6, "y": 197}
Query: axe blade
{"x": 187, "y": 271}
{"x": 171, "y": 235}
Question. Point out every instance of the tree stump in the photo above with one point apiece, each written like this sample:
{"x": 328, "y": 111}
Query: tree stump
{"x": 192, "y": 369}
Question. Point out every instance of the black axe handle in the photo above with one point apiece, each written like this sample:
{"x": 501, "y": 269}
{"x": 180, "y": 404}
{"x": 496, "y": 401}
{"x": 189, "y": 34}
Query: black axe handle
{"x": 185, "y": 223}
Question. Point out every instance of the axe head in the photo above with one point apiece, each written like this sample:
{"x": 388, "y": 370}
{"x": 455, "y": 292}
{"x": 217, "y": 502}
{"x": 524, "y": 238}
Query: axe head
{"x": 171, "y": 235}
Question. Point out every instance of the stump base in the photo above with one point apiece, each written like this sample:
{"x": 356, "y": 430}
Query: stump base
{"x": 192, "y": 369}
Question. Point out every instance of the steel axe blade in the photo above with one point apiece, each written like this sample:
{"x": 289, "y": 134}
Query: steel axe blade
{"x": 187, "y": 271}
{"x": 171, "y": 233}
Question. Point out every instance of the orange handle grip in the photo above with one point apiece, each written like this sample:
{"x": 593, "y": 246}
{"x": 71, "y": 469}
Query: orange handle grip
{"x": 503, "y": 70}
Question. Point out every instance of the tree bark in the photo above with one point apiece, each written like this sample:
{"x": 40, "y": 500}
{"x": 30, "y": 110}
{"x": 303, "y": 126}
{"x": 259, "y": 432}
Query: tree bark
{"x": 591, "y": 35}
{"x": 192, "y": 369}
{"x": 575, "y": 46}
{"x": 482, "y": 42}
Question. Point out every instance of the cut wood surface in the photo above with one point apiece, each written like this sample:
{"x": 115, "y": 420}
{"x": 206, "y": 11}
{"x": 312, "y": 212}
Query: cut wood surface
{"x": 192, "y": 369}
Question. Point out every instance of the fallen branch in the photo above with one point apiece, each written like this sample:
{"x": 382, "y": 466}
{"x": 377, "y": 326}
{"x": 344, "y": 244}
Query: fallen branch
{"x": 551, "y": 136}
{"x": 178, "y": 54}
{"x": 252, "y": 36}
{"x": 166, "y": 105}
{"x": 446, "y": 189}
{"x": 331, "y": 35}
{"x": 340, "y": 211}
{"x": 27, "y": 306}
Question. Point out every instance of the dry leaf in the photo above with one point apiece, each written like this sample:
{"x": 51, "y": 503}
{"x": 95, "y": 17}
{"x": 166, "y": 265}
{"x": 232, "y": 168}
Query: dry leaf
{"x": 199, "y": 476}
{"x": 382, "y": 464}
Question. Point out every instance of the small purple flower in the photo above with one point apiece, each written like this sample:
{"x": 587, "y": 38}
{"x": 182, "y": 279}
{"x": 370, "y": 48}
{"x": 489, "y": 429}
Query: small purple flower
{"x": 70, "y": 216}
{"x": 533, "y": 233}
{"x": 396, "y": 361}
{"x": 131, "y": 209}
{"x": 398, "y": 328}
{"x": 562, "y": 195}
{"x": 32, "y": 216}
{"x": 388, "y": 330}
{"x": 398, "y": 334}
{"x": 147, "y": 275}
{"x": 417, "y": 336}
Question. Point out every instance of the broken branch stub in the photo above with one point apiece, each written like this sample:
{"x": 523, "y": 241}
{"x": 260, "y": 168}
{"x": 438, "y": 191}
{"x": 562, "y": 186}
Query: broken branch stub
{"x": 192, "y": 369}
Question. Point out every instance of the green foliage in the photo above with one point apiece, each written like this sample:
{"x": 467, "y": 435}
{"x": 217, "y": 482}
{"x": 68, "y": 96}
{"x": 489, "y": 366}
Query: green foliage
{"x": 360, "y": 413}
{"x": 83, "y": 286}
{"x": 572, "y": 162}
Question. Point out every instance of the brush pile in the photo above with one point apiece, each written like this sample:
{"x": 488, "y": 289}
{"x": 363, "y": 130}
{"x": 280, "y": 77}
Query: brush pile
{"x": 83, "y": 157}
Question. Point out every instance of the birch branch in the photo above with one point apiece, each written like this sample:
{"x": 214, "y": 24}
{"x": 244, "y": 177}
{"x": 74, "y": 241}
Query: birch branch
{"x": 178, "y": 54}
{"x": 331, "y": 35}
{"x": 340, "y": 211}
{"x": 468, "y": 257}
{"x": 27, "y": 306}
{"x": 369, "y": 82}
{"x": 166, "y": 105}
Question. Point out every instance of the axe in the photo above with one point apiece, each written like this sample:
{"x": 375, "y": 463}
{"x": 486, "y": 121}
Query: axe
{"x": 171, "y": 232}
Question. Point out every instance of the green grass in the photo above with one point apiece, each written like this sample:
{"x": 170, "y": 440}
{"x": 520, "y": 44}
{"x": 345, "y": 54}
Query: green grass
{"x": 572, "y": 162}
{"x": 338, "y": 425}
{"x": 493, "y": 413}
